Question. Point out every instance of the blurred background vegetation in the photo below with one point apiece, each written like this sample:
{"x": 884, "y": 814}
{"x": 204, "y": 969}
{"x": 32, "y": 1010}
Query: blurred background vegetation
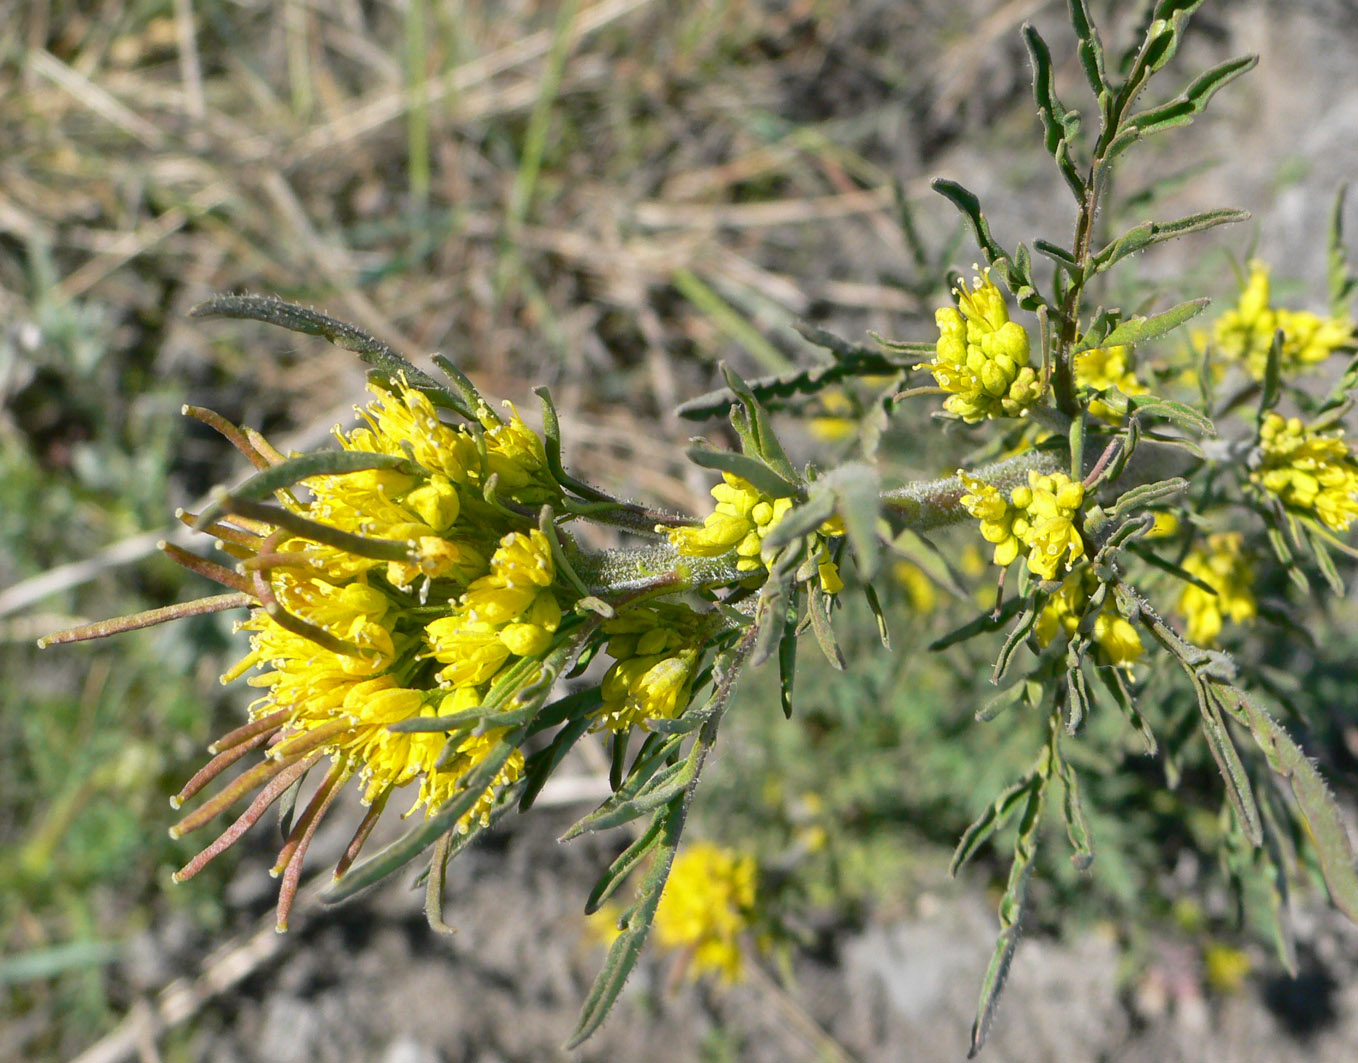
{"x": 607, "y": 197}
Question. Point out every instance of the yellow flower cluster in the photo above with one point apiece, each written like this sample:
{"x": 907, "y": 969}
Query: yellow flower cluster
{"x": 982, "y": 356}
{"x": 1107, "y": 369}
{"x": 1245, "y": 333}
{"x": 707, "y": 905}
{"x": 742, "y": 517}
{"x": 1308, "y": 471}
{"x": 1226, "y": 570}
{"x": 1117, "y": 640}
{"x": 1038, "y": 520}
{"x": 655, "y": 656}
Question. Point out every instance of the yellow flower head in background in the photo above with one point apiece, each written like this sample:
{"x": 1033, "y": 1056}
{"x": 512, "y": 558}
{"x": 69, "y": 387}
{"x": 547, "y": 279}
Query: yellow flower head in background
{"x": 1224, "y": 568}
{"x": 707, "y": 906}
{"x": 982, "y": 356}
{"x": 1245, "y": 333}
{"x": 1308, "y": 471}
{"x": 1107, "y": 369}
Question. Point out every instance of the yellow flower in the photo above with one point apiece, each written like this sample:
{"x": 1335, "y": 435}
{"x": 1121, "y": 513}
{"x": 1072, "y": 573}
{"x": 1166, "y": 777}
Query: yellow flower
{"x": 985, "y": 502}
{"x": 1049, "y": 506}
{"x": 1117, "y": 640}
{"x": 982, "y": 356}
{"x": 1107, "y": 369}
{"x": 1038, "y": 520}
{"x": 654, "y": 664}
{"x": 510, "y": 611}
{"x": 1246, "y": 332}
{"x": 1308, "y": 471}
{"x": 741, "y": 519}
{"x": 1226, "y": 570}
{"x": 707, "y": 906}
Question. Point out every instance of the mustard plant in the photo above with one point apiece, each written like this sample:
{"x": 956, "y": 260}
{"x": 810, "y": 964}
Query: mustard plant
{"x": 422, "y": 611}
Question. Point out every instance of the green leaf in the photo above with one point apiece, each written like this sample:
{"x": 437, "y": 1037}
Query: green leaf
{"x": 986, "y": 622}
{"x": 818, "y": 609}
{"x": 992, "y": 819}
{"x": 929, "y": 559}
{"x": 1072, "y": 810}
{"x": 761, "y": 441}
{"x": 1077, "y": 686}
{"x": 787, "y": 666}
{"x": 1148, "y": 233}
{"x": 1090, "y": 49}
{"x": 1271, "y": 392}
{"x": 875, "y": 606}
{"x": 1058, "y": 123}
{"x": 274, "y": 311}
{"x": 966, "y": 202}
{"x": 625, "y": 806}
{"x": 293, "y": 471}
{"x": 1059, "y": 255}
{"x": 1116, "y": 685}
{"x": 538, "y": 768}
{"x": 1178, "y": 413}
{"x": 855, "y": 487}
{"x": 1228, "y": 760}
{"x": 752, "y": 469}
{"x": 1010, "y": 912}
{"x": 421, "y": 837}
{"x": 1022, "y": 626}
{"x": 1189, "y": 104}
{"x": 623, "y": 955}
{"x": 1322, "y": 816}
{"x": 626, "y": 862}
{"x": 1342, "y": 282}
{"x": 1146, "y": 495}
{"x": 1140, "y": 329}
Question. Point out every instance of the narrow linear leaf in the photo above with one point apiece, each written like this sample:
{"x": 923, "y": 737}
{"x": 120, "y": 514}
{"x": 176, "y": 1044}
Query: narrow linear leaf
{"x": 1317, "y": 806}
{"x": 966, "y": 202}
{"x": 1228, "y": 760}
{"x": 1149, "y": 233}
{"x": 1153, "y": 494}
{"x": 626, "y": 862}
{"x": 993, "y": 818}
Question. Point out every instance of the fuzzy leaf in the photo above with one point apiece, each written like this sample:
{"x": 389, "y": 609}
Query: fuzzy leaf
{"x": 1148, "y": 233}
{"x": 623, "y": 955}
{"x": 1317, "y": 806}
{"x": 1057, "y": 123}
{"x": 752, "y": 469}
{"x": 992, "y": 818}
{"x": 1179, "y": 413}
{"x": 1090, "y": 49}
{"x": 966, "y": 202}
{"x": 626, "y": 862}
{"x": 1140, "y": 329}
{"x": 1152, "y": 494}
